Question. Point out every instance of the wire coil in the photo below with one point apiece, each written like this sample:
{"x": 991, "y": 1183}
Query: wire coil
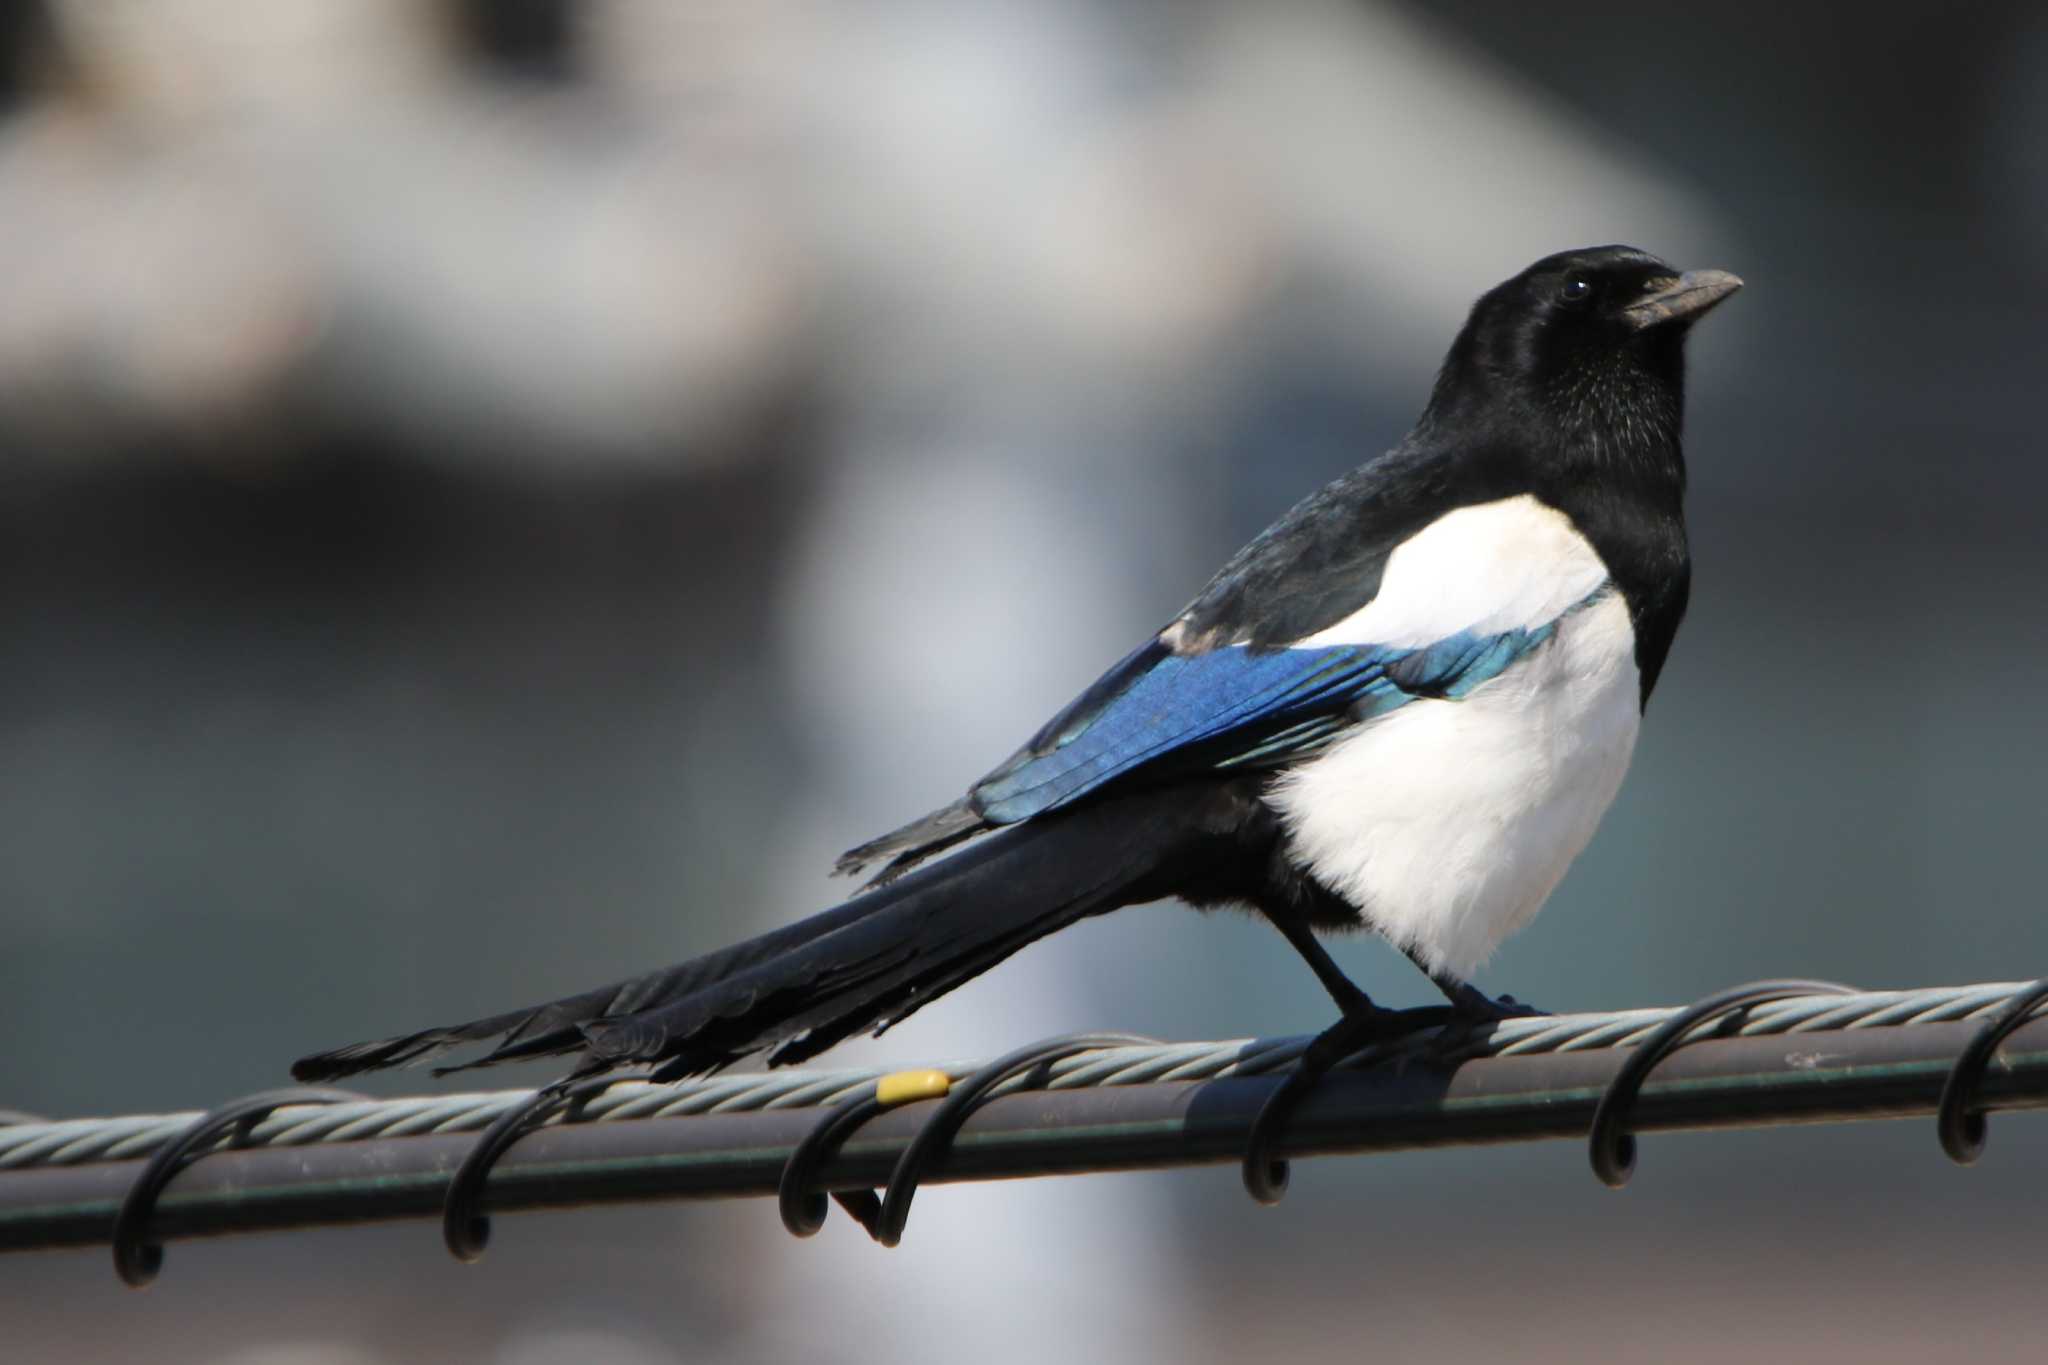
{"x": 1958, "y": 1122}
{"x": 885, "y": 1216}
{"x": 1613, "y": 1150}
{"x": 465, "y": 1231}
{"x": 137, "y": 1260}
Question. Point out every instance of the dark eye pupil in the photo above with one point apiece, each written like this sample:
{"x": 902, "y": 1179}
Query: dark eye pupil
{"x": 1577, "y": 289}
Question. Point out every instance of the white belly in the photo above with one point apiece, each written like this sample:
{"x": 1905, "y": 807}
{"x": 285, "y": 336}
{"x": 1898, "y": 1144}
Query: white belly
{"x": 1448, "y": 823}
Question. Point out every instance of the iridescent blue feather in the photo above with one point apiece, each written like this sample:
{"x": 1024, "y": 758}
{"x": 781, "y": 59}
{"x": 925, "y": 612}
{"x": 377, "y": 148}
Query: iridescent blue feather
{"x": 1237, "y": 707}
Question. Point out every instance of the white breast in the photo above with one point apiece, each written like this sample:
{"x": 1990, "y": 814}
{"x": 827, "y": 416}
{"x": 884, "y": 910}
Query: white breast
{"x": 1448, "y": 823}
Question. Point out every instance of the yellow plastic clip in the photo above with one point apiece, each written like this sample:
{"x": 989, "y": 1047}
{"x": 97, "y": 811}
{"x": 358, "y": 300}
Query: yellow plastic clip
{"x": 901, "y": 1087}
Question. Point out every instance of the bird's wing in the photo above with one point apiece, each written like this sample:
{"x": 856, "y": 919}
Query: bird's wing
{"x": 1233, "y": 707}
{"x": 1397, "y": 581}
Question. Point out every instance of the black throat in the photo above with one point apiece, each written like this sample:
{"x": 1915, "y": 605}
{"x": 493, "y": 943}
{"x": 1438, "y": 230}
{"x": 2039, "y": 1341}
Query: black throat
{"x": 1639, "y": 533}
{"x": 1616, "y": 467}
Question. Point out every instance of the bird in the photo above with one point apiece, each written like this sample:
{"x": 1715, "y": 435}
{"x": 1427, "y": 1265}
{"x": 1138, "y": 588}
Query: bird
{"x": 1404, "y": 707}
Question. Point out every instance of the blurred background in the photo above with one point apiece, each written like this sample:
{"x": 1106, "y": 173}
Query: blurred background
{"x": 495, "y": 493}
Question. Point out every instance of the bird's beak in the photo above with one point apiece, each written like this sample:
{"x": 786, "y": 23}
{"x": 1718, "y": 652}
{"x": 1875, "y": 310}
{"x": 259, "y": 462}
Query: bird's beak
{"x": 1684, "y": 299}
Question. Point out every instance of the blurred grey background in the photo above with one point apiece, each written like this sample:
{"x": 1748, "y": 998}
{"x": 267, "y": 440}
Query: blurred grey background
{"x": 497, "y": 492}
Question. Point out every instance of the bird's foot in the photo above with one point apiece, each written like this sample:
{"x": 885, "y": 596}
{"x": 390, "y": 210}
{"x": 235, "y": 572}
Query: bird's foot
{"x": 1473, "y": 1014}
{"x": 1470, "y": 1006}
{"x": 1265, "y": 1176}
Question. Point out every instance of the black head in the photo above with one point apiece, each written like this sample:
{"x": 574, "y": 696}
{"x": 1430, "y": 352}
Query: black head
{"x": 1568, "y": 382}
{"x": 1587, "y": 344}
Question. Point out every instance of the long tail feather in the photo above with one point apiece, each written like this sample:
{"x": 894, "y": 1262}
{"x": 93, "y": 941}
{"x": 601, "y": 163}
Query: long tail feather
{"x": 865, "y": 964}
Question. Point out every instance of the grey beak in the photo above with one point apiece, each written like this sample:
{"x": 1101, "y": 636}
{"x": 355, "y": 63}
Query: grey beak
{"x": 1684, "y": 299}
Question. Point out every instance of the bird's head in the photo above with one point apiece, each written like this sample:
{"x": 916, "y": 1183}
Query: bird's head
{"x": 1591, "y": 340}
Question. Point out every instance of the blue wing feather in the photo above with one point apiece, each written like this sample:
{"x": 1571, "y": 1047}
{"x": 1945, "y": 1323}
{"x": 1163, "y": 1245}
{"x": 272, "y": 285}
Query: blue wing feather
{"x": 1233, "y": 707}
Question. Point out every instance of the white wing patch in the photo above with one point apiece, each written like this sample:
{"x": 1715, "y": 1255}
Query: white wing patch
{"x": 1449, "y": 823}
{"x": 1490, "y": 568}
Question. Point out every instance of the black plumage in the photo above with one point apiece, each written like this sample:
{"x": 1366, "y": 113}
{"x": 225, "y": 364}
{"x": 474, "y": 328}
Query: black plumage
{"x": 1565, "y": 385}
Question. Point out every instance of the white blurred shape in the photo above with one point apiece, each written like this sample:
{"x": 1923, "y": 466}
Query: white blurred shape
{"x": 949, "y": 595}
{"x": 168, "y": 289}
{"x": 1417, "y": 167}
{"x": 166, "y": 61}
{"x": 710, "y": 57}
{"x": 623, "y": 299}
{"x": 996, "y": 183}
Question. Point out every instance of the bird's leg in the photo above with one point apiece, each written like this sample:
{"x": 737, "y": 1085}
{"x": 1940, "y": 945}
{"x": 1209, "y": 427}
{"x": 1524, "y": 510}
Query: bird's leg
{"x": 1353, "y": 1002}
{"x": 1469, "y": 1004}
{"x": 1362, "y": 1023}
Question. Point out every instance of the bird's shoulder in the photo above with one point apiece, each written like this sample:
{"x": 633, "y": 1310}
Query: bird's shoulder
{"x": 1317, "y": 564}
{"x": 1327, "y": 557}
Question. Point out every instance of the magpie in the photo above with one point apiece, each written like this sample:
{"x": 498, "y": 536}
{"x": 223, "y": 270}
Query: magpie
{"x": 1405, "y": 706}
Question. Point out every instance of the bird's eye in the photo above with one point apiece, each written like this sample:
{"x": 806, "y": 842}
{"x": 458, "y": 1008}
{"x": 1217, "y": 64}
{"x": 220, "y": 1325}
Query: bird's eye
{"x": 1577, "y": 289}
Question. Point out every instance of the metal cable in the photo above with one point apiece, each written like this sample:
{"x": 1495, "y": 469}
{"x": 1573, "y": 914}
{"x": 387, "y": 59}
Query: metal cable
{"x": 69, "y": 1142}
{"x": 263, "y": 1162}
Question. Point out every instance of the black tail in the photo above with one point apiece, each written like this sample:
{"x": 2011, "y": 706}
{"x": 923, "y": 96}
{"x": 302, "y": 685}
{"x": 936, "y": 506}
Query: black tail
{"x": 867, "y": 964}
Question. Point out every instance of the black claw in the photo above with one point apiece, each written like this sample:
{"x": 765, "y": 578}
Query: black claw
{"x": 1476, "y": 1007}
